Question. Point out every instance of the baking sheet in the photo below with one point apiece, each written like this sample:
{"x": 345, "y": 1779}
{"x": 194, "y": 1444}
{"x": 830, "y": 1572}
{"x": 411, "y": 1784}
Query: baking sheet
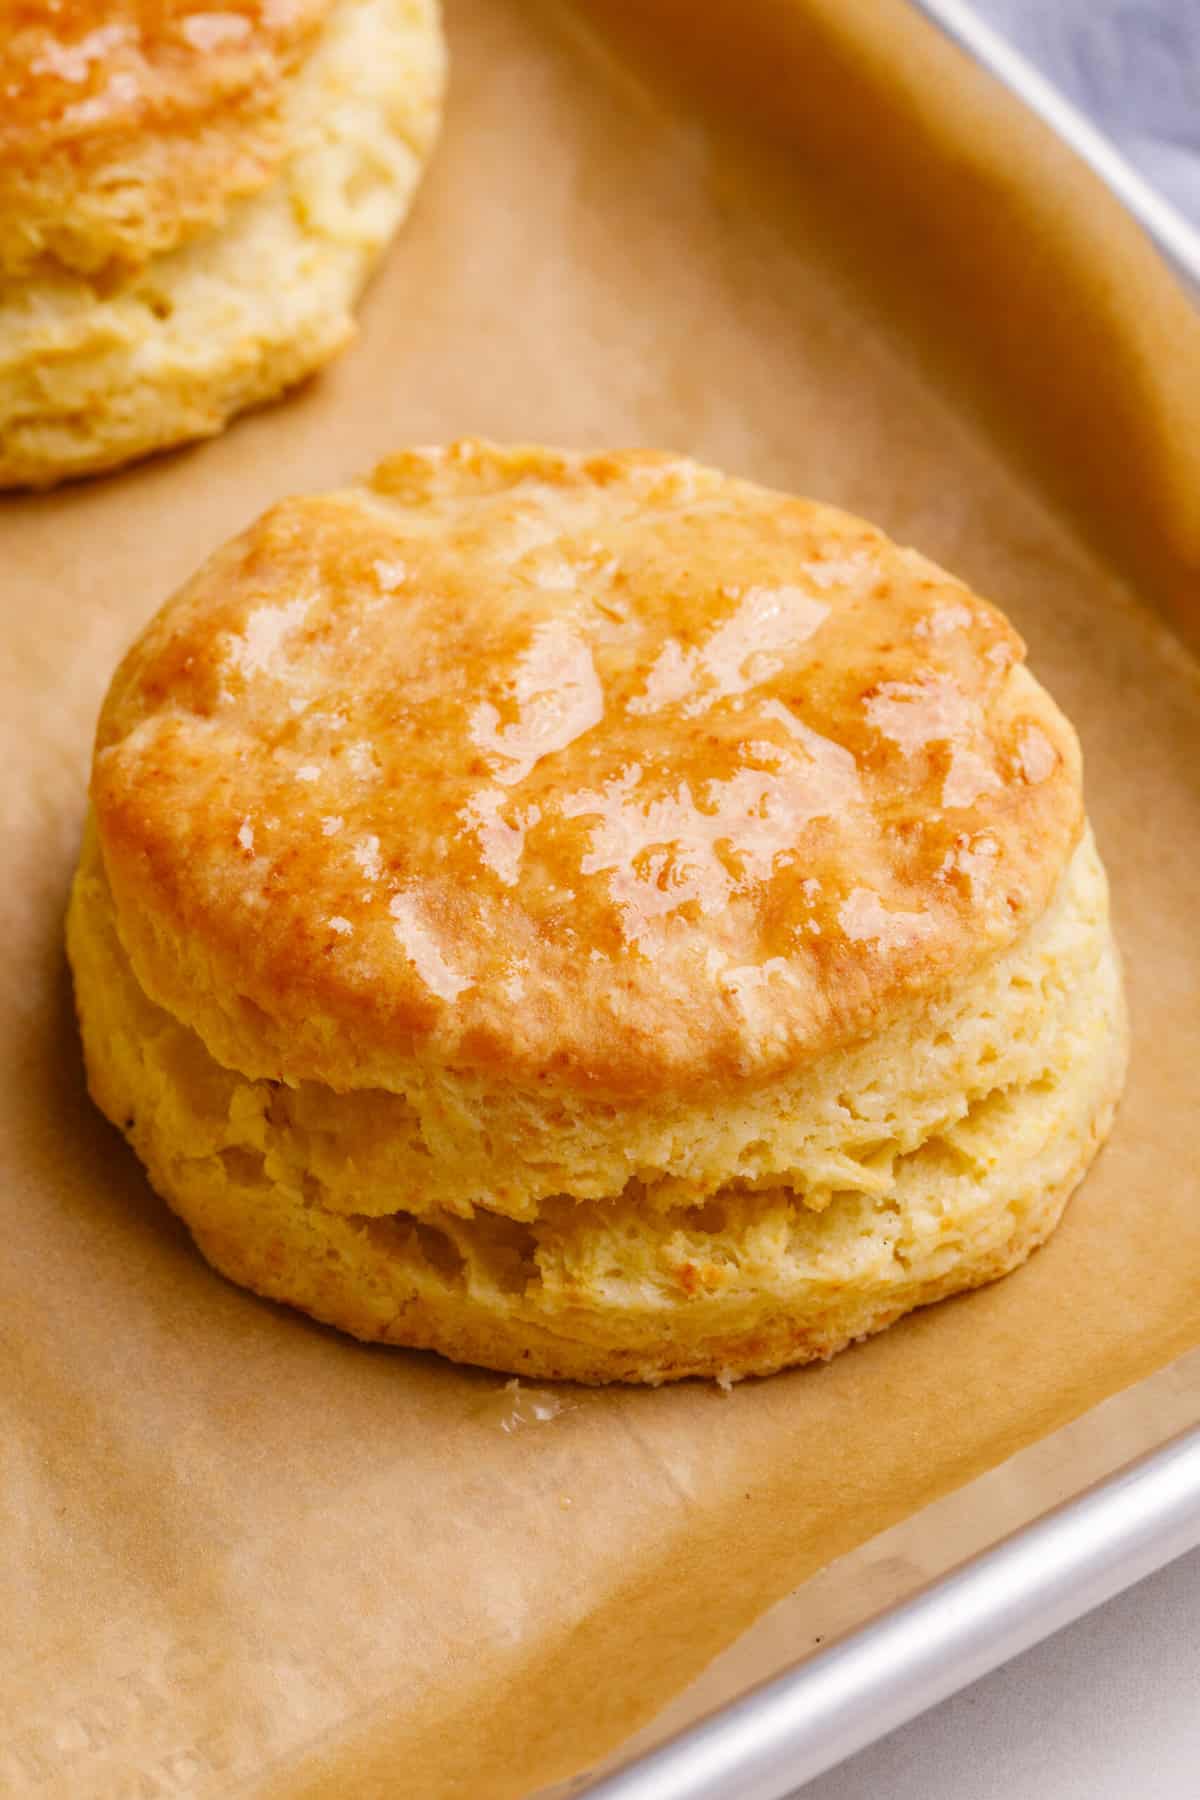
{"x": 242, "y": 1555}
{"x": 843, "y": 1606}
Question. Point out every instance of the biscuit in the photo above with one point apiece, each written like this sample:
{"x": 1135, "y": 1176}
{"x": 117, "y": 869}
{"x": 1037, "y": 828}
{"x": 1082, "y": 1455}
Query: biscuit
{"x": 594, "y": 917}
{"x": 158, "y": 277}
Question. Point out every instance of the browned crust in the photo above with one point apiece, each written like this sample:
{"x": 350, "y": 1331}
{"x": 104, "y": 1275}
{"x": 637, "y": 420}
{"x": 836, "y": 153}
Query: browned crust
{"x": 284, "y": 800}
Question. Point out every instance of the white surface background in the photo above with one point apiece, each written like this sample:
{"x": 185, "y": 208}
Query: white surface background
{"x": 1134, "y": 66}
{"x": 1108, "y": 1709}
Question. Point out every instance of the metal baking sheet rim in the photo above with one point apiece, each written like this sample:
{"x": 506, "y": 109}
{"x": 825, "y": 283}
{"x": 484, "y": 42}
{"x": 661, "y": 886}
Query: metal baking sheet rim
{"x": 767, "y": 1743}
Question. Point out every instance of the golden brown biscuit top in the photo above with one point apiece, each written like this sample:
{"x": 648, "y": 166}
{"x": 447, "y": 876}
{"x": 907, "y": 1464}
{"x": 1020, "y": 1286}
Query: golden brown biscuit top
{"x": 606, "y": 769}
{"x": 126, "y": 123}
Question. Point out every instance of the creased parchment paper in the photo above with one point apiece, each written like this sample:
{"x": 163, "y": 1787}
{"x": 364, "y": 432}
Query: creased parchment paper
{"x": 244, "y": 1556}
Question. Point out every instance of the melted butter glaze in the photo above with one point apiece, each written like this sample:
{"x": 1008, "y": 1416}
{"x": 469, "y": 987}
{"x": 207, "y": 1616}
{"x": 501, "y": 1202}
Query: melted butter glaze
{"x": 610, "y": 767}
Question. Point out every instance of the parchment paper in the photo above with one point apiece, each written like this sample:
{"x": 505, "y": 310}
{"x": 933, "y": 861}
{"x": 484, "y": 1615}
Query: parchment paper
{"x": 241, "y": 1555}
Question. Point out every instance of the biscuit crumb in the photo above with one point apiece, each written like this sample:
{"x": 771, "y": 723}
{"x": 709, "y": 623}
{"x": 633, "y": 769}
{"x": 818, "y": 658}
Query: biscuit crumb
{"x": 514, "y": 1406}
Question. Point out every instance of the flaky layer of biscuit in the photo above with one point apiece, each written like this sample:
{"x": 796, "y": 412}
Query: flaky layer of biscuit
{"x": 455, "y": 1143}
{"x": 93, "y": 374}
{"x": 128, "y": 125}
{"x": 623, "y": 1290}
